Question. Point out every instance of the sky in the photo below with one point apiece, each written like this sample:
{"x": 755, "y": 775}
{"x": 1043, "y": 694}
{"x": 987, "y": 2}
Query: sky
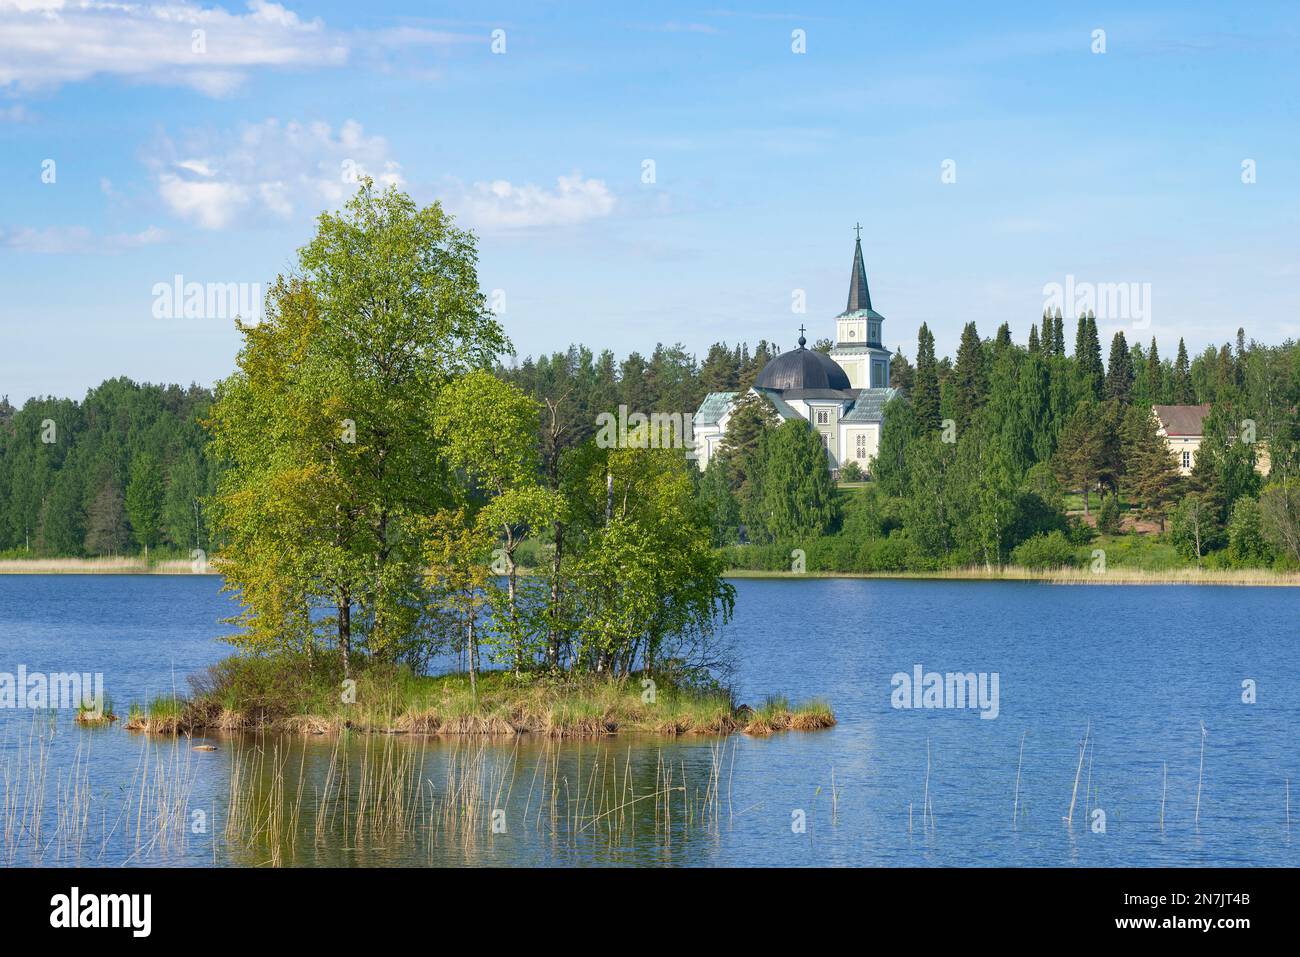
{"x": 648, "y": 173}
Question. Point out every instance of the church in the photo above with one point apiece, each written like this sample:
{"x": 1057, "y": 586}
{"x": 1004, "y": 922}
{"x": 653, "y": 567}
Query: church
{"x": 842, "y": 395}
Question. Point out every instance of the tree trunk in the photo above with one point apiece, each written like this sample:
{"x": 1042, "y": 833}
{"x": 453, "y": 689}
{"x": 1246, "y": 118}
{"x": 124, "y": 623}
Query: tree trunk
{"x": 473, "y": 660}
{"x": 345, "y": 631}
{"x": 553, "y": 637}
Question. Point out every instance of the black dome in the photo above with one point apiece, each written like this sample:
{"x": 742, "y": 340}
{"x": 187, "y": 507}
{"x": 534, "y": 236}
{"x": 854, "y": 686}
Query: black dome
{"x": 802, "y": 369}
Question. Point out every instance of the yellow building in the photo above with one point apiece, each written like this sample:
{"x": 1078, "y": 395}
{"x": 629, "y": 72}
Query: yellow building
{"x": 1181, "y": 425}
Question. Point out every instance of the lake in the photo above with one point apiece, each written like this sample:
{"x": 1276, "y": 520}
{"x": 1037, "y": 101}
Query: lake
{"x": 1138, "y": 670}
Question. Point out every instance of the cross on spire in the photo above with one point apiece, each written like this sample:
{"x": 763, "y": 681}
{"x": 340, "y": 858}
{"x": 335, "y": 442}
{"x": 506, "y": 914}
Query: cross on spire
{"x": 859, "y": 295}
{"x": 857, "y": 230}
{"x": 802, "y": 340}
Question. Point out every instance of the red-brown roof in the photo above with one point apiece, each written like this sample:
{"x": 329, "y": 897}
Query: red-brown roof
{"x": 1182, "y": 419}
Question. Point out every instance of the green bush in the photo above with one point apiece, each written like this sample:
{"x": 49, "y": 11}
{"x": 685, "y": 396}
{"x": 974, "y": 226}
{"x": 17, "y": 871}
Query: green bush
{"x": 1108, "y": 515}
{"x": 1052, "y": 550}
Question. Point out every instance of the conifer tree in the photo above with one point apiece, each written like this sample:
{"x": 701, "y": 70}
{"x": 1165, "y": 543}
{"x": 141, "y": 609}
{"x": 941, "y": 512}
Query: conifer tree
{"x": 925, "y": 392}
{"x": 1182, "y": 384}
{"x": 1119, "y": 371}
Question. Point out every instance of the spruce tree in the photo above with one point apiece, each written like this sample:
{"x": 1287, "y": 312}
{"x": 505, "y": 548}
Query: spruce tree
{"x": 925, "y": 391}
{"x": 1119, "y": 371}
{"x": 1155, "y": 377}
{"x": 1182, "y": 384}
{"x": 970, "y": 380}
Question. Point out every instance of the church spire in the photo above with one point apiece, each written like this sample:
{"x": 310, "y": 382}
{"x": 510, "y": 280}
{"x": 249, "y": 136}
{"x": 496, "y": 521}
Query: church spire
{"x": 859, "y": 294}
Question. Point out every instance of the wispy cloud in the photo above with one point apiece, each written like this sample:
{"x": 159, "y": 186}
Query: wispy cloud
{"x": 268, "y": 169}
{"x": 60, "y": 240}
{"x": 501, "y": 205}
{"x": 46, "y": 43}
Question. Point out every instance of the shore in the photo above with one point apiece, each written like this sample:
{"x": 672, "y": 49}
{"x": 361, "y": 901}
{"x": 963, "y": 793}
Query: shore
{"x": 100, "y": 566}
{"x": 1259, "y": 577}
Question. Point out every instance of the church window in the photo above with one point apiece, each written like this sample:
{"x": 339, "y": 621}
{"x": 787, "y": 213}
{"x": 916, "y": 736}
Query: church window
{"x": 862, "y": 447}
{"x": 1187, "y": 460}
{"x": 823, "y": 417}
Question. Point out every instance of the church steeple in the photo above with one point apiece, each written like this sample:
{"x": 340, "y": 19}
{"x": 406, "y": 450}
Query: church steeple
{"x": 859, "y": 294}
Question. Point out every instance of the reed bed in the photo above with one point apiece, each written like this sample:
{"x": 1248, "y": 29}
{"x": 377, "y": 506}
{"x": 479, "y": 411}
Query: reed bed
{"x": 1114, "y": 575}
{"x": 120, "y": 565}
{"x": 374, "y": 796}
{"x": 51, "y": 816}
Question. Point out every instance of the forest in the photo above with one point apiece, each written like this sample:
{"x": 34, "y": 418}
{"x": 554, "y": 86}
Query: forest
{"x": 1007, "y": 453}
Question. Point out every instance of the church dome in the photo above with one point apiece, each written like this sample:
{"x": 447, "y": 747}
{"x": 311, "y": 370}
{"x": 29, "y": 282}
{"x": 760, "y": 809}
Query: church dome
{"x": 802, "y": 369}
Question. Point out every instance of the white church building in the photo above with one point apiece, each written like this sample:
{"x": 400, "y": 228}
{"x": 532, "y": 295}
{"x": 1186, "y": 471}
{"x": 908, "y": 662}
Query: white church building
{"x": 842, "y": 395}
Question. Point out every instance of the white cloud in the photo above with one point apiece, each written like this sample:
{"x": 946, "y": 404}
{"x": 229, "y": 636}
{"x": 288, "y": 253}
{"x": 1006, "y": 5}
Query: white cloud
{"x": 75, "y": 239}
{"x": 45, "y": 43}
{"x": 500, "y": 204}
{"x": 268, "y": 169}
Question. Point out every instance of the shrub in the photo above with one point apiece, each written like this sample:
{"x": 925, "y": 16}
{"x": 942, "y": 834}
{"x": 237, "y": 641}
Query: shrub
{"x": 851, "y": 472}
{"x": 1108, "y": 515}
{"x": 1052, "y": 550}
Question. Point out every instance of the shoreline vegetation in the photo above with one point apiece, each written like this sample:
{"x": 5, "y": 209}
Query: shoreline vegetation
{"x": 121, "y": 565}
{"x": 302, "y": 696}
{"x": 1114, "y": 575}
{"x": 1261, "y": 577}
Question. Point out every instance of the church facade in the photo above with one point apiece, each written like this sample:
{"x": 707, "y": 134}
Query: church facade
{"x": 841, "y": 395}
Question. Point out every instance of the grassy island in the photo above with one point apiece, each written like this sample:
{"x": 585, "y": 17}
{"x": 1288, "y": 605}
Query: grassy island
{"x": 246, "y": 693}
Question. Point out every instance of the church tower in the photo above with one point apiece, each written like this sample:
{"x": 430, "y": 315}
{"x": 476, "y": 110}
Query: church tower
{"x": 858, "y": 348}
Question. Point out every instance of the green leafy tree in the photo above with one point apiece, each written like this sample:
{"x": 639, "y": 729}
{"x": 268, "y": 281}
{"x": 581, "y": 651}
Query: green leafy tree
{"x": 144, "y": 501}
{"x": 798, "y": 494}
{"x": 328, "y": 428}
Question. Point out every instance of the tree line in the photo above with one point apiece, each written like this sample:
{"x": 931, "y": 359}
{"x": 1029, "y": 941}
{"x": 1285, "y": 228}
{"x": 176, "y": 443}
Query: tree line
{"x": 123, "y": 471}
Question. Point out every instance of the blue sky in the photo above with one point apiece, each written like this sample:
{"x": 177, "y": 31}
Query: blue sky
{"x": 1123, "y": 166}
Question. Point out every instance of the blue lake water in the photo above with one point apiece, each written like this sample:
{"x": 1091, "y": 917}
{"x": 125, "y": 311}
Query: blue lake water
{"x": 1138, "y": 669}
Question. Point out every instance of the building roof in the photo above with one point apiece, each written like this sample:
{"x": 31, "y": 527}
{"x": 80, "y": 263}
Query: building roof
{"x": 859, "y": 294}
{"x": 1182, "y": 419}
{"x": 783, "y": 408}
{"x": 870, "y": 405}
{"x": 802, "y": 369}
{"x": 713, "y": 408}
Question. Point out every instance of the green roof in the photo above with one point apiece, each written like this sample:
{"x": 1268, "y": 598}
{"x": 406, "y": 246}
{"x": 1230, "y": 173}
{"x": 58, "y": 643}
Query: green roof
{"x": 713, "y": 408}
{"x": 870, "y": 405}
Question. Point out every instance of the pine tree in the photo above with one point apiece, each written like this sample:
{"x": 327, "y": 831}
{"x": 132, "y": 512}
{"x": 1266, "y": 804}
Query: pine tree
{"x": 1033, "y": 339}
{"x": 1058, "y": 335}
